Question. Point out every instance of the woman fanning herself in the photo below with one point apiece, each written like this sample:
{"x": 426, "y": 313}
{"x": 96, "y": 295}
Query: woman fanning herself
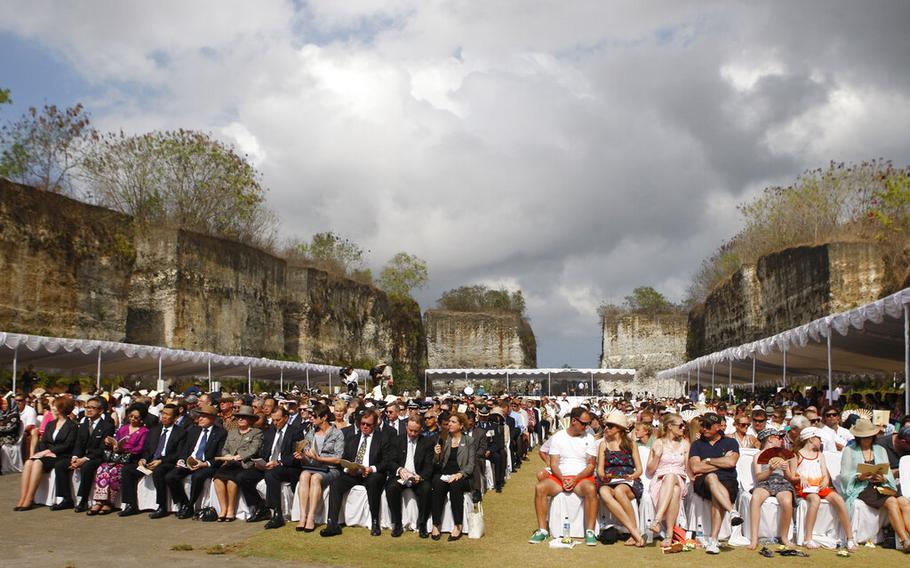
{"x": 773, "y": 479}
{"x": 618, "y": 473}
{"x": 667, "y": 468}
{"x": 324, "y": 447}
{"x": 874, "y": 489}
{"x": 815, "y": 485}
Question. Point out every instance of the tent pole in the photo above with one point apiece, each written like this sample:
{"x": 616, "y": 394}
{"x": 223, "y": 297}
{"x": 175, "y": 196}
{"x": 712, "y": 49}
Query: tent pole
{"x": 753, "y": 373}
{"x": 424, "y": 382}
{"x": 549, "y": 385}
{"x": 830, "y": 386}
{"x": 698, "y": 377}
{"x": 281, "y": 381}
{"x": 730, "y": 387}
{"x": 308, "y": 380}
{"x": 15, "y": 362}
{"x": 906, "y": 358}
{"x": 713, "y": 364}
{"x": 160, "y": 365}
{"x": 688, "y": 380}
{"x": 507, "y": 380}
{"x": 210, "y": 373}
{"x": 249, "y": 379}
{"x": 98, "y": 374}
{"x": 592, "y": 383}
{"x": 785, "y": 368}
{"x": 330, "y": 381}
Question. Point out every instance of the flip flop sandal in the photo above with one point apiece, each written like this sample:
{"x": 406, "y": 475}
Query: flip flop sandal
{"x": 793, "y": 552}
{"x": 765, "y": 552}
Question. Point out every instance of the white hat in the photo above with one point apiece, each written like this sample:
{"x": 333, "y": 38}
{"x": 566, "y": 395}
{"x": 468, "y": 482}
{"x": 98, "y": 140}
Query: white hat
{"x": 810, "y": 432}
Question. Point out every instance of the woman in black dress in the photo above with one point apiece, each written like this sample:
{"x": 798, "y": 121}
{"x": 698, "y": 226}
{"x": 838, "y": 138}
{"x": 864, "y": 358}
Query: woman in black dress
{"x": 56, "y": 444}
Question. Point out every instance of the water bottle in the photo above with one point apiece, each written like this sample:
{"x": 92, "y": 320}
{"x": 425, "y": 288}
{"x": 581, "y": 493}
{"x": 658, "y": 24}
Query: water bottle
{"x": 700, "y": 535}
{"x": 566, "y": 528}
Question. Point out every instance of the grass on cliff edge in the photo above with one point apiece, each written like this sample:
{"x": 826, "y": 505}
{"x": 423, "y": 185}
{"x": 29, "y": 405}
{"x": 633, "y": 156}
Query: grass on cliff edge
{"x": 510, "y": 520}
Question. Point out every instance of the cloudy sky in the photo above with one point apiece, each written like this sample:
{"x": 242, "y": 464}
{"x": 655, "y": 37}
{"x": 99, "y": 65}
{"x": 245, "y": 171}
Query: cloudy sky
{"x": 573, "y": 149}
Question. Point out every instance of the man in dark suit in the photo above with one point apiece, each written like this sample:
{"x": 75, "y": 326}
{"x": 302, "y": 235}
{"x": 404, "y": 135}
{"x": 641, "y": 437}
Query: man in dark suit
{"x": 160, "y": 454}
{"x": 278, "y": 446}
{"x": 88, "y": 455}
{"x": 202, "y": 443}
{"x": 481, "y": 445}
{"x": 372, "y": 451}
{"x": 488, "y": 421}
{"x": 393, "y": 421}
{"x": 412, "y": 462}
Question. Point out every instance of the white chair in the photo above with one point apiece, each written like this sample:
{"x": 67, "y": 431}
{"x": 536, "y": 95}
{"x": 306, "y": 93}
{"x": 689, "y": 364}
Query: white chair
{"x": 698, "y": 510}
{"x": 826, "y": 527}
{"x": 770, "y": 510}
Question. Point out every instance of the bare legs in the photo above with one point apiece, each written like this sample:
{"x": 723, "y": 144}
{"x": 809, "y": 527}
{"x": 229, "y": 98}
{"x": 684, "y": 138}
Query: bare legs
{"x": 899, "y": 513}
{"x": 309, "y": 492}
{"x": 720, "y": 503}
{"x": 618, "y": 500}
{"x": 32, "y": 472}
{"x": 227, "y": 497}
{"x": 836, "y": 502}
{"x": 668, "y": 503}
{"x": 549, "y": 488}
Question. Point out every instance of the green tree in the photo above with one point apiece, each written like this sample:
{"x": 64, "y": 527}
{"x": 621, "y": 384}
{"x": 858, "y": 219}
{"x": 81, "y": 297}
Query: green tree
{"x": 402, "y": 273}
{"x": 479, "y": 298}
{"x": 45, "y": 148}
{"x": 647, "y": 300}
{"x": 5, "y": 97}
{"x": 181, "y": 177}
{"x": 333, "y": 252}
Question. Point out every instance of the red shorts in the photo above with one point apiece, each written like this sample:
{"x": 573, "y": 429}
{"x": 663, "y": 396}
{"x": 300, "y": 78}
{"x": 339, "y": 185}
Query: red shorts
{"x": 823, "y": 492}
{"x": 559, "y": 482}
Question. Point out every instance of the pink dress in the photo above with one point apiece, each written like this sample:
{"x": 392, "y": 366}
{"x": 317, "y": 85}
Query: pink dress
{"x": 672, "y": 460}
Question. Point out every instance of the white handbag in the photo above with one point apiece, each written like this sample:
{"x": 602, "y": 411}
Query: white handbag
{"x": 475, "y": 521}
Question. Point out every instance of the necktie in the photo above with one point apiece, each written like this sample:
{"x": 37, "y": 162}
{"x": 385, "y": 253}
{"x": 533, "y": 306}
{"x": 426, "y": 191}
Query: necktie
{"x": 200, "y": 453}
{"x": 91, "y": 428}
{"x": 159, "y": 451}
{"x": 362, "y": 450}
{"x": 276, "y": 451}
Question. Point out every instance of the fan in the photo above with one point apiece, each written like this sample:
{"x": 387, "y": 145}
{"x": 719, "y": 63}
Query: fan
{"x": 771, "y": 453}
{"x": 689, "y": 414}
{"x": 861, "y": 412}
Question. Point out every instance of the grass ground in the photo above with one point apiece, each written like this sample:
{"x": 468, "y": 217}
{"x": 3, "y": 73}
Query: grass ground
{"x": 510, "y": 520}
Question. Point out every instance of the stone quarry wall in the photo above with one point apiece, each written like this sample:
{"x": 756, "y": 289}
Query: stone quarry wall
{"x": 646, "y": 343}
{"x": 479, "y": 340}
{"x": 788, "y": 289}
{"x": 74, "y": 270}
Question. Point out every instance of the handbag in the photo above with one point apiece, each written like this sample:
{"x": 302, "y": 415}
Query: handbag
{"x": 475, "y": 521}
{"x": 115, "y": 457}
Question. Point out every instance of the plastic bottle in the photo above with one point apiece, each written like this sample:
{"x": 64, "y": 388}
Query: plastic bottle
{"x": 566, "y": 528}
{"x": 700, "y": 535}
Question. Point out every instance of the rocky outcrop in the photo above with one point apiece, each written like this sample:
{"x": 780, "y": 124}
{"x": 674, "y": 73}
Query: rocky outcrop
{"x": 75, "y": 270}
{"x": 479, "y": 340}
{"x": 646, "y": 343}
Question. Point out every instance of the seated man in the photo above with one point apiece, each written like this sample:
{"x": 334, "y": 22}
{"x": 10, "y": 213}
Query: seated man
{"x": 712, "y": 460}
{"x": 372, "y": 451}
{"x": 202, "y": 443}
{"x": 88, "y": 455}
{"x": 493, "y": 451}
{"x": 573, "y": 455}
{"x": 160, "y": 454}
{"x": 413, "y": 469}
{"x": 280, "y": 466}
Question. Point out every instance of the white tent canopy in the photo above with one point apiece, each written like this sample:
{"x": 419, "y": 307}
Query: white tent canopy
{"x": 870, "y": 340}
{"x": 84, "y": 356}
{"x": 585, "y": 376}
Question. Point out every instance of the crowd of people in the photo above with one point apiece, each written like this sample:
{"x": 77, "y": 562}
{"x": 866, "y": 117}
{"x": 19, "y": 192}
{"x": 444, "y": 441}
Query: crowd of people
{"x": 439, "y": 447}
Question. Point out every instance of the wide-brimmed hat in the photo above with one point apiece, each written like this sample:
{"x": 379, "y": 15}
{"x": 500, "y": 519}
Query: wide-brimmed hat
{"x": 246, "y": 412}
{"x": 864, "y": 428}
{"x": 767, "y": 433}
{"x": 618, "y": 418}
{"x": 483, "y": 410}
{"x": 206, "y": 409}
{"x": 810, "y": 432}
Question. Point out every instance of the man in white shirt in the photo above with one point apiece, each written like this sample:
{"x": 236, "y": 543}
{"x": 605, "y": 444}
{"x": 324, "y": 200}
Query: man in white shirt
{"x": 573, "y": 453}
{"x": 834, "y": 436}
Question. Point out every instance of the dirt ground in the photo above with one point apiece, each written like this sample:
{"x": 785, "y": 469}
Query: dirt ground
{"x": 41, "y": 537}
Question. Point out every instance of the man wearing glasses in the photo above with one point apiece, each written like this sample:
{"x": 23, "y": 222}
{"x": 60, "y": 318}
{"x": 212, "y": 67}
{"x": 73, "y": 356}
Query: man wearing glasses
{"x": 573, "y": 454}
{"x": 833, "y": 435}
{"x": 87, "y": 457}
{"x": 373, "y": 454}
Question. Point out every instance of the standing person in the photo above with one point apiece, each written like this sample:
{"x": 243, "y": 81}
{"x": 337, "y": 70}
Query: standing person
{"x": 774, "y": 479}
{"x": 123, "y": 448}
{"x": 618, "y": 473}
{"x": 88, "y": 455}
{"x": 241, "y": 445}
{"x": 55, "y": 445}
{"x": 349, "y": 378}
{"x": 875, "y": 490}
{"x": 669, "y": 478}
{"x": 28, "y": 380}
{"x": 454, "y": 467}
{"x": 815, "y": 485}
{"x": 712, "y": 460}
{"x": 573, "y": 453}
{"x": 325, "y": 446}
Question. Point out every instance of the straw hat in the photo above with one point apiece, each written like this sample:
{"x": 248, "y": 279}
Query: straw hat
{"x": 618, "y": 418}
{"x": 864, "y": 428}
{"x": 206, "y": 409}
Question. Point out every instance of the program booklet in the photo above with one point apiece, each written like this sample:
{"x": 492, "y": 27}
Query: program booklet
{"x": 881, "y": 468}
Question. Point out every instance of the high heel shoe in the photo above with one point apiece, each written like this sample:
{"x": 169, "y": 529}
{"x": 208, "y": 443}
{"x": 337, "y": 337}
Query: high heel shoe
{"x": 453, "y": 538}
{"x": 436, "y": 536}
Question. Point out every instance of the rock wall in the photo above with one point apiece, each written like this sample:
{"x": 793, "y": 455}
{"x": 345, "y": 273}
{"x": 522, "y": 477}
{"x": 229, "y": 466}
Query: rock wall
{"x": 646, "y": 343}
{"x": 785, "y": 290}
{"x": 479, "y": 340}
{"x": 75, "y": 270}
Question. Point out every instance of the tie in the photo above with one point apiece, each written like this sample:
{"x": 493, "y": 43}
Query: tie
{"x": 276, "y": 451}
{"x": 200, "y": 453}
{"x": 362, "y": 450}
{"x": 159, "y": 451}
{"x": 91, "y": 428}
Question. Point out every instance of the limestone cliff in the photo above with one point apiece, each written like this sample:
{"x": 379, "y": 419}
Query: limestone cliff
{"x": 75, "y": 270}
{"x": 479, "y": 340}
{"x": 646, "y": 343}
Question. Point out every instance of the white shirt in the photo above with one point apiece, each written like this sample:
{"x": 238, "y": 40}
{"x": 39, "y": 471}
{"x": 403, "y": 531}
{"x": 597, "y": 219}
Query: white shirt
{"x": 412, "y": 449}
{"x": 831, "y": 438}
{"x": 199, "y": 439}
{"x": 280, "y": 433}
{"x": 573, "y": 451}
{"x": 166, "y": 430}
{"x": 366, "y": 454}
{"x": 28, "y": 416}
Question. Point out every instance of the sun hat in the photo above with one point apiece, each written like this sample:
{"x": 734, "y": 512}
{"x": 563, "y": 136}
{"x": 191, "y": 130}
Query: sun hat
{"x": 810, "y": 432}
{"x": 767, "y": 433}
{"x": 617, "y": 418}
{"x": 864, "y": 428}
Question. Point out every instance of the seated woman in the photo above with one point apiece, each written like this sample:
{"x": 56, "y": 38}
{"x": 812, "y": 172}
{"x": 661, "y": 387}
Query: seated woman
{"x": 815, "y": 485}
{"x": 452, "y": 471}
{"x": 56, "y": 444}
{"x": 876, "y": 490}
{"x": 241, "y": 444}
{"x": 125, "y": 447}
{"x": 669, "y": 478}
{"x": 618, "y": 472}
{"x": 340, "y": 410}
{"x": 773, "y": 479}
{"x": 324, "y": 447}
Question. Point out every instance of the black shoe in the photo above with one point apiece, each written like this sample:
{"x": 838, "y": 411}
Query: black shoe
{"x": 159, "y": 513}
{"x": 81, "y": 506}
{"x": 129, "y": 511}
{"x": 375, "y": 531}
{"x": 276, "y": 522}
{"x": 423, "y": 533}
{"x": 499, "y": 489}
{"x": 454, "y": 538}
{"x": 436, "y": 536}
{"x": 62, "y": 505}
{"x": 330, "y": 530}
{"x": 259, "y": 515}
{"x": 185, "y": 512}
{"x": 397, "y": 531}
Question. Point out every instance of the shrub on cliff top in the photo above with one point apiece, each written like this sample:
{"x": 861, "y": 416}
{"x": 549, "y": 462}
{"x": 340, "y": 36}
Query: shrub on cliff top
{"x": 643, "y": 300}
{"x": 479, "y": 298}
{"x": 403, "y": 273}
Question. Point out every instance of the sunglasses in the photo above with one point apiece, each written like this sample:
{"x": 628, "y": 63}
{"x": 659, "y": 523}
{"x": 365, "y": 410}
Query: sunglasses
{"x": 815, "y": 421}
{"x": 588, "y": 423}
{"x": 760, "y": 420}
{"x": 362, "y": 424}
{"x": 830, "y": 415}
{"x": 742, "y": 423}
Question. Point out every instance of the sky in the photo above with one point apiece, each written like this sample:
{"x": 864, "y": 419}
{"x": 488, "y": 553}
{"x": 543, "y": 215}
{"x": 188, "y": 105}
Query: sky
{"x": 574, "y": 150}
